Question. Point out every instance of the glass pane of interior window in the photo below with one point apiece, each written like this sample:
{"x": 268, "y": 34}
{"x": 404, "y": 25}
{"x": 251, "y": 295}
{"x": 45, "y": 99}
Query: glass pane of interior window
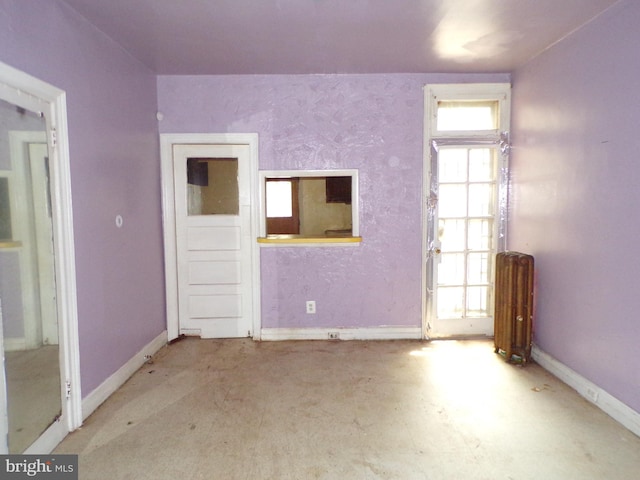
{"x": 480, "y": 200}
{"x": 451, "y": 269}
{"x": 212, "y": 186}
{"x": 477, "y": 301}
{"x": 452, "y": 165}
{"x": 465, "y": 115}
{"x": 452, "y": 200}
{"x": 481, "y": 164}
{"x": 5, "y": 210}
{"x": 478, "y": 268}
{"x": 452, "y": 234}
{"x": 480, "y": 234}
{"x": 450, "y": 302}
{"x": 279, "y": 200}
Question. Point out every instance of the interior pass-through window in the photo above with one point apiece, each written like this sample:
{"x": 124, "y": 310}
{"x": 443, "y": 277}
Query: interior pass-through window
{"x": 309, "y": 204}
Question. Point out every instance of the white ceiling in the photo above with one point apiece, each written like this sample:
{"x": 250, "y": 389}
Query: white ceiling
{"x": 336, "y": 36}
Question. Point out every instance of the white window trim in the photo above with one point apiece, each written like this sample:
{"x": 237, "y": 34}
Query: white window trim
{"x": 475, "y": 91}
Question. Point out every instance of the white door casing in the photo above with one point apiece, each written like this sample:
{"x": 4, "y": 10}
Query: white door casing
{"x": 211, "y": 261}
{"x": 38, "y": 161}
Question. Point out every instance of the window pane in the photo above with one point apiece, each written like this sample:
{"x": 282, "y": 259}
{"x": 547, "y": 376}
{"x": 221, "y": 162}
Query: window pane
{"x": 481, "y": 164}
{"x": 451, "y": 269}
{"x": 279, "y": 199}
{"x": 467, "y": 115}
{"x": 452, "y": 201}
{"x": 480, "y": 234}
{"x": 480, "y": 200}
{"x": 213, "y": 186}
{"x": 450, "y": 302}
{"x": 477, "y": 301}
{"x": 478, "y": 268}
{"x": 452, "y": 165}
{"x": 452, "y": 234}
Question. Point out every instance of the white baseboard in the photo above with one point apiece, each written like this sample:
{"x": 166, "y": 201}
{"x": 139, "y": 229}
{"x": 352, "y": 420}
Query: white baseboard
{"x": 379, "y": 333}
{"x": 14, "y": 344}
{"x": 49, "y": 440}
{"x": 93, "y": 400}
{"x": 621, "y": 412}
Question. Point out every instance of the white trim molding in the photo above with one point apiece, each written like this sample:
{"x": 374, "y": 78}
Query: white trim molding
{"x": 92, "y": 401}
{"x": 379, "y": 333}
{"x": 613, "y": 407}
{"x": 15, "y": 344}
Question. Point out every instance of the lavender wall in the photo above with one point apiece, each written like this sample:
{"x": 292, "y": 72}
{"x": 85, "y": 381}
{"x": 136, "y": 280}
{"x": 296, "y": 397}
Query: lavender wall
{"x": 575, "y": 203}
{"x": 111, "y": 100}
{"x": 369, "y": 122}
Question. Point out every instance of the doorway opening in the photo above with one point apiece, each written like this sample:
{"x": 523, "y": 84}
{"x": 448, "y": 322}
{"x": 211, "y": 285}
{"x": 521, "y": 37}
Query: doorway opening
{"x": 210, "y": 199}
{"x": 466, "y": 162}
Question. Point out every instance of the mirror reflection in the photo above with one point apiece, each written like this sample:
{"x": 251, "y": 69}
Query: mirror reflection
{"x": 27, "y": 278}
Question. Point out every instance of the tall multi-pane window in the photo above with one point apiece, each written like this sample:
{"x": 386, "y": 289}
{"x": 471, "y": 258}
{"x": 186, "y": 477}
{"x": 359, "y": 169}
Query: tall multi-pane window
{"x": 465, "y": 231}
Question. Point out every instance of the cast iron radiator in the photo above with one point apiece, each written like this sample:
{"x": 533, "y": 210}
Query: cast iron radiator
{"x": 513, "y": 316}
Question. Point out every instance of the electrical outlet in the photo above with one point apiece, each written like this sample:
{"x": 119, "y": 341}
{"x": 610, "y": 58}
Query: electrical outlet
{"x": 334, "y": 336}
{"x": 311, "y": 306}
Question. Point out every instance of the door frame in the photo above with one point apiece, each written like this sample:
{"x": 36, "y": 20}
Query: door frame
{"x": 36, "y": 95}
{"x": 43, "y": 237}
{"x": 33, "y": 241}
{"x": 432, "y": 140}
{"x": 167, "y": 141}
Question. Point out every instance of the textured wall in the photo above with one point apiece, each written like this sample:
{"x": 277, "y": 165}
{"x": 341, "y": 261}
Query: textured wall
{"x": 369, "y": 122}
{"x": 111, "y": 101}
{"x": 575, "y": 201}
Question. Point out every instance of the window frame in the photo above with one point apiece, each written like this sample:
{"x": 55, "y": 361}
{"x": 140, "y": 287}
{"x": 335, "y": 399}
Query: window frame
{"x": 466, "y": 92}
{"x": 305, "y": 241}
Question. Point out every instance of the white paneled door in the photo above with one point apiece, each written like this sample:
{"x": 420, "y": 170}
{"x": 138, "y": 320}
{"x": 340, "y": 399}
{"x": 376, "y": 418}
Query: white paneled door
{"x": 212, "y": 185}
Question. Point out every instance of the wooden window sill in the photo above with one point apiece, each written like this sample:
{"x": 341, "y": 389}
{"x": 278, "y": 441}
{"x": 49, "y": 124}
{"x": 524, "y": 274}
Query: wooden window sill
{"x": 300, "y": 240}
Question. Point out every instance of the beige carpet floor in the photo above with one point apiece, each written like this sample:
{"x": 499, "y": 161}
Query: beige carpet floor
{"x": 235, "y": 409}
